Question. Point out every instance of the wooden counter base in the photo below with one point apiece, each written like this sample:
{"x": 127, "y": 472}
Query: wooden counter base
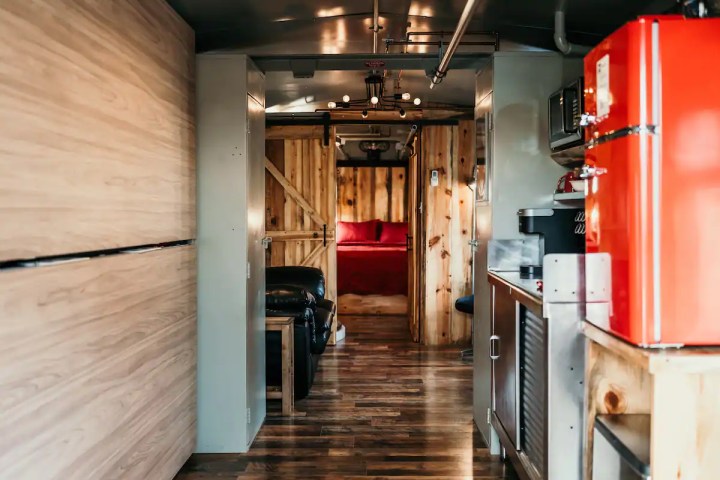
{"x": 680, "y": 389}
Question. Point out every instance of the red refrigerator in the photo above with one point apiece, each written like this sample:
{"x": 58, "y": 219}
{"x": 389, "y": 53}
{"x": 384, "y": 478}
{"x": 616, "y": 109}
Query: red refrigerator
{"x": 652, "y": 95}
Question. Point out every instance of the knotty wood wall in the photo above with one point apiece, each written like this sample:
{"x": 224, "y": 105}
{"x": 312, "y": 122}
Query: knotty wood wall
{"x": 97, "y": 357}
{"x": 448, "y": 229}
{"x": 96, "y": 108}
{"x": 367, "y": 193}
{"x": 97, "y": 367}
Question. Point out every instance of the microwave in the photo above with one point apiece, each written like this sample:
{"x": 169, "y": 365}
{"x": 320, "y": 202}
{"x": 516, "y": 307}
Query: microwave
{"x": 564, "y": 110}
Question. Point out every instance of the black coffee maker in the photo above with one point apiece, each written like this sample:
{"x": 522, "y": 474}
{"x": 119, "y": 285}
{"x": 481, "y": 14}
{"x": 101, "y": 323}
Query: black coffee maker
{"x": 562, "y": 230}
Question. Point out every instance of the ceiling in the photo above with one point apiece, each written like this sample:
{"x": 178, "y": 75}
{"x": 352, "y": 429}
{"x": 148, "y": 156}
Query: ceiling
{"x": 294, "y": 27}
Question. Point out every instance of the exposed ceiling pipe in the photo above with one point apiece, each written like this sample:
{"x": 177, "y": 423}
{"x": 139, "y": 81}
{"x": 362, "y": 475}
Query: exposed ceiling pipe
{"x": 462, "y": 25}
{"x": 376, "y": 24}
{"x": 561, "y": 41}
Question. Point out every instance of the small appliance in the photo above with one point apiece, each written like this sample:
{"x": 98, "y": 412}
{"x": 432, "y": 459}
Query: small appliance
{"x": 561, "y": 230}
{"x": 653, "y": 176}
{"x": 566, "y": 134}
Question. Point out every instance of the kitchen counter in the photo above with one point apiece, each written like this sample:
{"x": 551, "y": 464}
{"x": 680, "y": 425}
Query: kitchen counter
{"x": 527, "y": 286}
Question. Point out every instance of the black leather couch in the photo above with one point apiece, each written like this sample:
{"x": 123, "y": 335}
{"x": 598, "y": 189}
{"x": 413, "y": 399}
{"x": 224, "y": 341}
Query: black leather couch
{"x": 298, "y": 292}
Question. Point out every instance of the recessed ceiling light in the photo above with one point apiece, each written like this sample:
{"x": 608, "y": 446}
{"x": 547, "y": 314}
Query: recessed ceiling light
{"x": 374, "y": 100}
{"x": 332, "y": 105}
{"x": 406, "y": 96}
{"x": 346, "y": 98}
{"x": 417, "y": 101}
{"x": 364, "y": 114}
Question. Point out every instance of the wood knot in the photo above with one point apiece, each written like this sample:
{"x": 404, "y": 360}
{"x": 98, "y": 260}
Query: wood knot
{"x": 433, "y": 241}
{"x": 614, "y": 403}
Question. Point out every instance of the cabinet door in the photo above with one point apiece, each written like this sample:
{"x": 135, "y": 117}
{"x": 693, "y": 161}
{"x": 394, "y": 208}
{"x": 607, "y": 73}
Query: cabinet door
{"x": 505, "y": 365}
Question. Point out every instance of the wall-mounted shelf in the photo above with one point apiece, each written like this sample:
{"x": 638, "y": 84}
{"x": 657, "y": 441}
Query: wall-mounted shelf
{"x": 569, "y": 197}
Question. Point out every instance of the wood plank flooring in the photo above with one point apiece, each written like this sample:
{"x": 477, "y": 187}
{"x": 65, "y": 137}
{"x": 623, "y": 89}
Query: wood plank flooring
{"x": 381, "y": 408}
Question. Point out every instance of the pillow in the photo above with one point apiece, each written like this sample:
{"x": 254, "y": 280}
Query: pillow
{"x": 393, "y": 232}
{"x": 357, "y": 231}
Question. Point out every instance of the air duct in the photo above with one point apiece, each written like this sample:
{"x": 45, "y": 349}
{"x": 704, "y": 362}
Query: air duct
{"x": 561, "y": 41}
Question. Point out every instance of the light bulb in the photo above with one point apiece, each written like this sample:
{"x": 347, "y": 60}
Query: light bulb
{"x": 417, "y": 101}
{"x": 364, "y": 114}
{"x": 346, "y": 98}
{"x": 332, "y": 105}
{"x": 374, "y": 100}
{"x": 402, "y": 113}
{"x": 406, "y": 96}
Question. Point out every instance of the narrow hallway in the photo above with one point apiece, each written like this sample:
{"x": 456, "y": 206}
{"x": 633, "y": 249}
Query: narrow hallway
{"x": 381, "y": 407}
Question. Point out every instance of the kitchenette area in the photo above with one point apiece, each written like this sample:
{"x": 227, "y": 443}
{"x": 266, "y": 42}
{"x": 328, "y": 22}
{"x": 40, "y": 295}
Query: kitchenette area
{"x": 596, "y": 347}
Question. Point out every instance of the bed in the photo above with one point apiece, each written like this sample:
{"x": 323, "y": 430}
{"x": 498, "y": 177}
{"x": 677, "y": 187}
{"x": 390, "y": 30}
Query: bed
{"x": 372, "y": 264}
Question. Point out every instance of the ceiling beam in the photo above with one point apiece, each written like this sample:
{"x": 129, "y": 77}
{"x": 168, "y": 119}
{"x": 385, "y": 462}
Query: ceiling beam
{"x": 306, "y": 65}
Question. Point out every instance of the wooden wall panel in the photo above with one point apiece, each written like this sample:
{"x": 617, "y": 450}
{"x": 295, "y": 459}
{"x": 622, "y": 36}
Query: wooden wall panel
{"x": 369, "y": 193}
{"x": 98, "y": 135}
{"x": 97, "y": 367}
{"x": 447, "y": 222}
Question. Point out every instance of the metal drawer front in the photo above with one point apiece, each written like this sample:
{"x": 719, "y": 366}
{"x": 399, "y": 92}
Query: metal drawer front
{"x": 532, "y": 388}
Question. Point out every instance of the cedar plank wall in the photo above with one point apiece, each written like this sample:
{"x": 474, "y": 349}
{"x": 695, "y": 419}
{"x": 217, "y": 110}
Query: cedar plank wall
{"x": 372, "y": 192}
{"x": 97, "y": 357}
{"x": 96, "y": 109}
{"x": 448, "y": 229}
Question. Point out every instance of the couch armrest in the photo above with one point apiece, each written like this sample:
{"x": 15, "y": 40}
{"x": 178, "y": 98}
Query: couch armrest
{"x": 283, "y": 297}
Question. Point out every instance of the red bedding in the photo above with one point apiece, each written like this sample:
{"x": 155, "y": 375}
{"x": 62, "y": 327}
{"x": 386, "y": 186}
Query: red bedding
{"x": 372, "y": 269}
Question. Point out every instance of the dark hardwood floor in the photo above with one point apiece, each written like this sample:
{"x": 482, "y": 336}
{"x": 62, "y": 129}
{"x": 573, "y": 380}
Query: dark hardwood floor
{"x": 381, "y": 408}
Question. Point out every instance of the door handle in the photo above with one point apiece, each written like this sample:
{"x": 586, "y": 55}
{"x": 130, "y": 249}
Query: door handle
{"x": 494, "y": 351}
{"x": 266, "y": 241}
{"x": 589, "y": 172}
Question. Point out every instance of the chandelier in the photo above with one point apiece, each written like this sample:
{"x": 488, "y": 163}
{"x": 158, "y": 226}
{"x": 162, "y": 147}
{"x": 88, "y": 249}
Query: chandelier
{"x": 376, "y": 99}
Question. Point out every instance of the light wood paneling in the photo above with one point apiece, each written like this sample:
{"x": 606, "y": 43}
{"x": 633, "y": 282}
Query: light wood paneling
{"x": 97, "y": 367}
{"x": 370, "y": 193}
{"x": 98, "y": 136}
{"x": 447, "y": 221}
{"x": 351, "y": 304}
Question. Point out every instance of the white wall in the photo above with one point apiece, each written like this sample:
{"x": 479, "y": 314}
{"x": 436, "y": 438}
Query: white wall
{"x": 229, "y": 360}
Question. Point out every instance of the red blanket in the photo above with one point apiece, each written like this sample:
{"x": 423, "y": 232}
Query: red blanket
{"x": 372, "y": 269}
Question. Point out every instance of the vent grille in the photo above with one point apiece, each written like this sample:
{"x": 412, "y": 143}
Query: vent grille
{"x": 532, "y": 387}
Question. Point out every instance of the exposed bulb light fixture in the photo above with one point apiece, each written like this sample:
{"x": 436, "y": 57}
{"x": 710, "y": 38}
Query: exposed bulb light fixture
{"x": 417, "y": 101}
{"x": 406, "y": 96}
{"x": 374, "y": 100}
{"x": 346, "y": 98}
{"x": 332, "y": 105}
{"x": 364, "y": 114}
{"x": 402, "y": 113}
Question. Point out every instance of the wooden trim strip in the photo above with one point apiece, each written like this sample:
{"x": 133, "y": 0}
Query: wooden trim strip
{"x": 282, "y": 235}
{"x": 294, "y": 193}
{"x": 314, "y": 254}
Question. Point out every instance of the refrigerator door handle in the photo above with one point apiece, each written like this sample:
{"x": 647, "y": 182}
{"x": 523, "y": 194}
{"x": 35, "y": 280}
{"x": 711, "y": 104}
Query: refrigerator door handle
{"x": 589, "y": 172}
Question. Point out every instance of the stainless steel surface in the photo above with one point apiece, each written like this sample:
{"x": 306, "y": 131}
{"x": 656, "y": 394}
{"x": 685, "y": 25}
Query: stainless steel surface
{"x": 533, "y": 397}
{"x": 511, "y": 99}
{"x": 519, "y": 460}
{"x": 608, "y": 464}
{"x": 629, "y": 435}
{"x": 656, "y": 77}
{"x": 564, "y": 278}
{"x": 508, "y": 255}
{"x": 528, "y": 286}
{"x": 296, "y": 26}
{"x": 535, "y": 212}
{"x": 462, "y": 25}
{"x": 598, "y": 289}
{"x": 551, "y": 369}
{"x": 565, "y": 374}
{"x": 505, "y": 326}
